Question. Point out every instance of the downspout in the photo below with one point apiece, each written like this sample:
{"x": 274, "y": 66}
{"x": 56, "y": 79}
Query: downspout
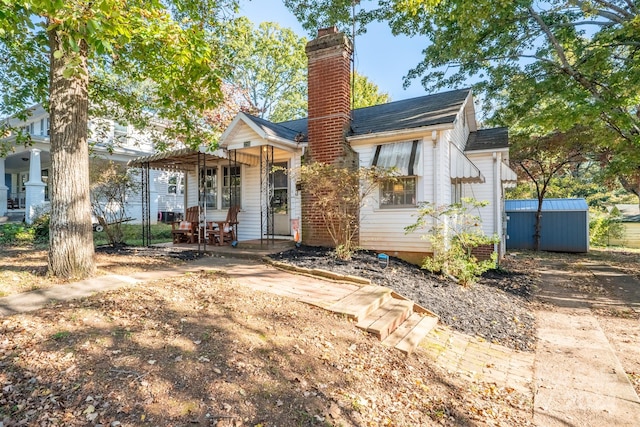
{"x": 435, "y": 173}
{"x": 496, "y": 202}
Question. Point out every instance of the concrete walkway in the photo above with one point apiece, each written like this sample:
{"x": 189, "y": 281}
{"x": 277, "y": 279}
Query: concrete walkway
{"x": 579, "y": 380}
{"x": 574, "y": 377}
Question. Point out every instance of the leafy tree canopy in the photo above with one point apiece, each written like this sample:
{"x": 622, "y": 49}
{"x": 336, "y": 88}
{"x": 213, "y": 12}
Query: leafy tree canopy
{"x": 145, "y": 59}
{"x": 270, "y": 69}
{"x": 544, "y": 66}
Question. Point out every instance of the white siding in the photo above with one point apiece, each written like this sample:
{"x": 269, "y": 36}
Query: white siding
{"x": 167, "y": 202}
{"x": 383, "y": 229}
{"x": 249, "y": 217}
{"x": 630, "y": 236}
{"x": 484, "y": 191}
{"x": 295, "y": 198}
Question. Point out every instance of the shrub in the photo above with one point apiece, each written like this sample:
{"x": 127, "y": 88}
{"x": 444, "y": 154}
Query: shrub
{"x": 454, "y": 233}
{"x": 16, "y": 234}
{"x": 336, "y": 195}
{"x": 40, "y": 226}
{"x": 604, "y": 226}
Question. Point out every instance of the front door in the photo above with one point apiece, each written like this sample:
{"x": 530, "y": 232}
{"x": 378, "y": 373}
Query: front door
{"x": 280, "y": 200}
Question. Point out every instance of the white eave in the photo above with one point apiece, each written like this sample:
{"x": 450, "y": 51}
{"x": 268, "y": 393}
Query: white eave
{"x": 277, "y": 141}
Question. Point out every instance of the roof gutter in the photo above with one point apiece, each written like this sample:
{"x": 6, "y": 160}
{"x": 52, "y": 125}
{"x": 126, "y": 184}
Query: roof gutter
{"x": 288, "y": 144}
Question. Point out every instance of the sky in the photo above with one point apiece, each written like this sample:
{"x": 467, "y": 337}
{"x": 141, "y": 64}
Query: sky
{"x": 383, "y": 58}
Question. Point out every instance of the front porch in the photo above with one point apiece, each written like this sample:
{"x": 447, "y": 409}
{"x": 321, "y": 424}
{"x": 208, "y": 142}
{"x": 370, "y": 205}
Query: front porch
{"x": 23, "y": 188}
{"x": 252, "y": 177}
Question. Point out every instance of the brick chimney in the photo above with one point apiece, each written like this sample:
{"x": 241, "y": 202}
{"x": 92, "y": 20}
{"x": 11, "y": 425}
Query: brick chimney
{"x": 329, "y": 120}
{"x": 329, "y": 96}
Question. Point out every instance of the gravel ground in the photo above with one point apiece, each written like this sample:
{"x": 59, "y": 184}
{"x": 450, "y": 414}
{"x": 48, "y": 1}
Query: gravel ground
{"x": 497, "y": 308}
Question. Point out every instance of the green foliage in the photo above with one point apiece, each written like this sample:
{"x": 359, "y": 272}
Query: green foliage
{"x": 16, "y": 234}
{"x": 40, "y": 226}
{"x": 543, "y": 67}
{"x": 454, "y": 233}
{"x": 584, "y": 181}
{"x": 337, "y": 194}
{"x": 366, "y": 93}
{"x": 132, "y": 234}
{"x": 604, "y": 226}
{"x": 269, "y": 65}
{"x": 60, "y": 335}
{"x": 270, "y": 71}
{"x": 166, "y": 58}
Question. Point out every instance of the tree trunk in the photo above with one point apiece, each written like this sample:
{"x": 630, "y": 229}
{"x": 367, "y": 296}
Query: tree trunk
{"x": 538, "y": 226}
{"x": 71, "y": 251}
{"x": 631, "y": 185}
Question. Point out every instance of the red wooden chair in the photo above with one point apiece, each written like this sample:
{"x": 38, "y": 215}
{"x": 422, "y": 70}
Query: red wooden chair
{"x": 224, "y": 232}
{"x": 186, "y": 231}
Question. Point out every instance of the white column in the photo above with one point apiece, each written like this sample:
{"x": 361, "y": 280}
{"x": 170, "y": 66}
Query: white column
{"x": 34, "y": 187}
{"x": 4, "y": 190}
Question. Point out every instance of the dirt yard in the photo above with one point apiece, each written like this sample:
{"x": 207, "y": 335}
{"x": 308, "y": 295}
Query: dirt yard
{"x": 202, "y": 350}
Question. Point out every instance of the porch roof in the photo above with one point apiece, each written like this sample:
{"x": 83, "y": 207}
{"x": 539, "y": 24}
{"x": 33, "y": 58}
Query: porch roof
{"x": 186, "y": 159}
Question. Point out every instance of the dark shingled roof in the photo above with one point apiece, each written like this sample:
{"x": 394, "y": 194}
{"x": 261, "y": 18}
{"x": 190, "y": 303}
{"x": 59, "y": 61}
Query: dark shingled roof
{"x": 488, "y": 139}
{"x": 411, "y": 113}
{"x": 278, "y": 129}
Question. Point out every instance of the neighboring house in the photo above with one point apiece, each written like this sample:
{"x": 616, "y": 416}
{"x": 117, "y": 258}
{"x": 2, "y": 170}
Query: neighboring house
{"x": 433, "y": 140}
{"x": 25, "y": 171}
{"x": 630, "y": 219}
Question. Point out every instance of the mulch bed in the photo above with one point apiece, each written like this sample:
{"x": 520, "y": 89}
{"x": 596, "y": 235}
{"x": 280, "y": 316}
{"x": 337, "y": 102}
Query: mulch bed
{"x": 497, "y": 308}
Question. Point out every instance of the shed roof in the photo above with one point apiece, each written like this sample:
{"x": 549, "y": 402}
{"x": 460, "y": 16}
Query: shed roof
{"x": 548, "y": 205}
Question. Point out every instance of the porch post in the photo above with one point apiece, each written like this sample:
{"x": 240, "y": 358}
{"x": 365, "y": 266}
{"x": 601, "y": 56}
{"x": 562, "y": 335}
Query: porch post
{"x": 4, "y": 190}
{"x": 34, "y": 188}
{"x": 153, "y": 196}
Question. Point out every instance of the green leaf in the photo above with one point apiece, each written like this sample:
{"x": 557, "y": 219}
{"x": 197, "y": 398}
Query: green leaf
{"x": 58, "y": 54}
{"x": 68, "y": 72}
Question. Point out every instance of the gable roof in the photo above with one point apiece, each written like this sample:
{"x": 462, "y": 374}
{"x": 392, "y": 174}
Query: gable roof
{"x": 428, "y": 110}
{"x": 488, "y": 139}
{"x": 411, "y": 113}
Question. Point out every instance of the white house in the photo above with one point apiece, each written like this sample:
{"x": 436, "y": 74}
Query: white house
{"x": 434, "y": 140}
{"x": 24, "y": 172}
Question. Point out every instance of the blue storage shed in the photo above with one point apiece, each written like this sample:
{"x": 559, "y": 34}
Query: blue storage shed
{"x": 564, "y": 224}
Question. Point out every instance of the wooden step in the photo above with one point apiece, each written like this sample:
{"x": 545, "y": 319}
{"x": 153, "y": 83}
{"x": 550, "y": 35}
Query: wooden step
{"x": 386, "y": 318}
{"x": 360, "y": 303}
{"x": 408, "y": 335}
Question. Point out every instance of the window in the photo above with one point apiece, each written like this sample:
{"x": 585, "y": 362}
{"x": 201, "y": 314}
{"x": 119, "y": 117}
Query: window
{"x": 231, "y": 186}
{"x": 45, "y": 126}
{"x": 280, "y": 182}
{"x": 209, "y": 181}
{"x": 400, "y": 192}
{"x": 45, "y": 179}
{"x": 32, "y": 128}
{"x": 119, "y": 129}
{"x": 176, "y": 186}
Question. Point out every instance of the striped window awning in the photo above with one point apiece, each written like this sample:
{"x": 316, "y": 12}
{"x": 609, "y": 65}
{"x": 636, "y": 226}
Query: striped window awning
{"x": 462, "y": 169}
{"x": 403, "y": 156}
{"x": 507, "y": 175}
